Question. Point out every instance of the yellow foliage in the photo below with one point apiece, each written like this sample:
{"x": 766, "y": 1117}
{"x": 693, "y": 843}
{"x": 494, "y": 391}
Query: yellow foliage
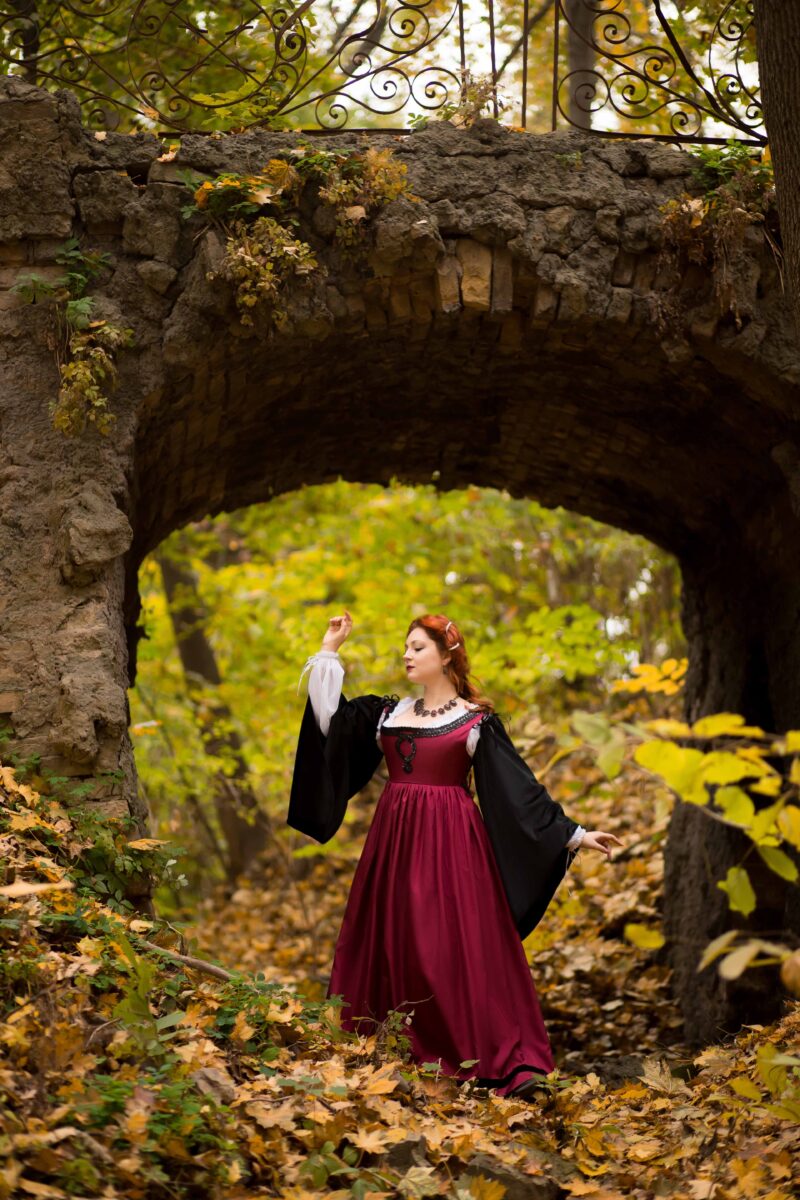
{"x": 321, "y": 1085}
{"x": 482, "y": 1188}
{"x": 732, "y": 724}
{"x": 23, "y": 887}
{"x": 789, "y": 824}
{"x": 666, "y": 679}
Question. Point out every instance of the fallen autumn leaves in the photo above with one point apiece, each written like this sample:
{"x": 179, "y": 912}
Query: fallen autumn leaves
{"x": 128, "y": 1074}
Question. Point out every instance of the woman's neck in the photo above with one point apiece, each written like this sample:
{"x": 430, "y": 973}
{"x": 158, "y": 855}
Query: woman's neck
{"x": 435, "y": 696}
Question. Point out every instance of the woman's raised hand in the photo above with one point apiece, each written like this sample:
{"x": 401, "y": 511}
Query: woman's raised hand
{"x": 339, "y": 628}
{"x": 595, "y": 839}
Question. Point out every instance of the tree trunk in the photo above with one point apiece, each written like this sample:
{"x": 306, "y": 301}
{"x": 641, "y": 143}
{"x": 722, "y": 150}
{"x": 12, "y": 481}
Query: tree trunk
{"x": 778, "y": 36}
{"x": 244, "y": 838}
{"x": 732, "y": 612}
{"x": 580, "y": 56}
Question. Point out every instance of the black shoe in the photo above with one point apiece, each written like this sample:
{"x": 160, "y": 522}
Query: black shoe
{"x": 526, "y": 1090}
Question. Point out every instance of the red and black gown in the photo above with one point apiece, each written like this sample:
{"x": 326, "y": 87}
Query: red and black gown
{"x": 443, "y": 892}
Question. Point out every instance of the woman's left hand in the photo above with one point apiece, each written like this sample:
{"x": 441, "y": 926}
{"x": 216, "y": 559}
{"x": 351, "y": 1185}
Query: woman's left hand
{"x": 596, "y": 839}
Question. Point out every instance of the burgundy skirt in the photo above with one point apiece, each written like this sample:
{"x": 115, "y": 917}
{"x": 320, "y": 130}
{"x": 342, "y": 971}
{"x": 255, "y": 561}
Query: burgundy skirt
{"x": 428, "y": 929}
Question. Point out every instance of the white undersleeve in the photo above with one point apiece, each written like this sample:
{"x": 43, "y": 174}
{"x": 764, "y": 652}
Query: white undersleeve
{"x": 326, "y": 675}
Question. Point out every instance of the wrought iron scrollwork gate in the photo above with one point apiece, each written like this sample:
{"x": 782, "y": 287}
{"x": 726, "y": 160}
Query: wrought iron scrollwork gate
{"x": 618, "y": 67}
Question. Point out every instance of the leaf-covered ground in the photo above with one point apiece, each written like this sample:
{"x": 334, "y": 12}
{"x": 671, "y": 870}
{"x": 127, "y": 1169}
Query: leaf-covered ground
{"x": 125, "y": 1072}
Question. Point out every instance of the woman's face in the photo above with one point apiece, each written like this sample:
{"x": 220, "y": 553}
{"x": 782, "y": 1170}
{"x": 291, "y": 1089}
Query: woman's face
{"x": 422, "y": 658}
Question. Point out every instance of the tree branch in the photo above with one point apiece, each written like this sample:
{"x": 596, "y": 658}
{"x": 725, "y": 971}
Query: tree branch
{"x": 196, "y": 964}
{"x": 533, "y": 21}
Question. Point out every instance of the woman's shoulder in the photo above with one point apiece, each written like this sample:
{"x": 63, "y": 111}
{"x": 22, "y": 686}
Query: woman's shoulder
{"x": 490, "y": 719}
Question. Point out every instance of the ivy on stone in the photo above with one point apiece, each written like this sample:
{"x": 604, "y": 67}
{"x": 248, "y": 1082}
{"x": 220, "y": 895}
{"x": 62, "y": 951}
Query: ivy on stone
{"x": 259, "y": 259}
{"x": 260, "y": 212}
{"x": 84, "y": 347}
{"x": 88, "y": 376}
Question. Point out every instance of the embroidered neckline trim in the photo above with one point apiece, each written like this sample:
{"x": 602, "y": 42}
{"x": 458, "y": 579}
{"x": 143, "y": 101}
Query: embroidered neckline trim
{"x": 432, "y": 730}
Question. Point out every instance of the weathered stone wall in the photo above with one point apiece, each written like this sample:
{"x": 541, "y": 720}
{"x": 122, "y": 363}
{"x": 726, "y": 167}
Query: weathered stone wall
{"x": 501, "y": 333}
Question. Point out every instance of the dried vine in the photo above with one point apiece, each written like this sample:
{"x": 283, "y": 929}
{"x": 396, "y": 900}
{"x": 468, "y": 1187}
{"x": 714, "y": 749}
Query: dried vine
{"x": 710, "y": 229}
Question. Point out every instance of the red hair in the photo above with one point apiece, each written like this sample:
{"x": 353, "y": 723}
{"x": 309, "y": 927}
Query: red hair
{"x": 448, "y": 637}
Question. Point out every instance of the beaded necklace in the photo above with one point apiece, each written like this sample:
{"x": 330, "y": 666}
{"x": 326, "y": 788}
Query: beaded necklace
{"x": 421, "y": 711}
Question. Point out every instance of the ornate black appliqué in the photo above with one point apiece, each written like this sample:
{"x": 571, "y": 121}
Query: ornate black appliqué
{"x": 407, "y": 758}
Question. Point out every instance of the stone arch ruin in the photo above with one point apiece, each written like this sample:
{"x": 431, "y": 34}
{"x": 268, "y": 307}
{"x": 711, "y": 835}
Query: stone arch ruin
{"x": 502, "y": 333}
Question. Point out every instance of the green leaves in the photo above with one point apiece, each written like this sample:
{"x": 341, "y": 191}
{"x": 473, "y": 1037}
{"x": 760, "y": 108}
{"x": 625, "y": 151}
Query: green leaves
{"x": 84, "y": 348}
{"x": 607, "y": 740}
{"x": 34, "y": 288}
{"x": 79, "y": 312}
{"x": 716, "y": 165}
{"x": 771, "y": 1064}
{"x": 84, "y": 267}
{"x": 270, "y": 575}
{"x": 133, "y": 1010}
{"x": 567, "y": 642}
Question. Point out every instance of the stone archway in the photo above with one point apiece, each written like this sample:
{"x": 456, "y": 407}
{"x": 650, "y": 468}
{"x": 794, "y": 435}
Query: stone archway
{"x": 501, "y": 334}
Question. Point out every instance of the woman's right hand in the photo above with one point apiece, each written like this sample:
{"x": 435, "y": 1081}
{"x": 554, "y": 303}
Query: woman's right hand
{"x": 597, "y": 839}
{"x": 339, "y": 628}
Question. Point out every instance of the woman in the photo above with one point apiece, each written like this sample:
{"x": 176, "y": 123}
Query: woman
{"x": 443, "y": 893}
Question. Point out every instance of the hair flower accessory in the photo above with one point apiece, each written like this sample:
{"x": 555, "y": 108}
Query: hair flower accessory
{"x": 457, "y": 644}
